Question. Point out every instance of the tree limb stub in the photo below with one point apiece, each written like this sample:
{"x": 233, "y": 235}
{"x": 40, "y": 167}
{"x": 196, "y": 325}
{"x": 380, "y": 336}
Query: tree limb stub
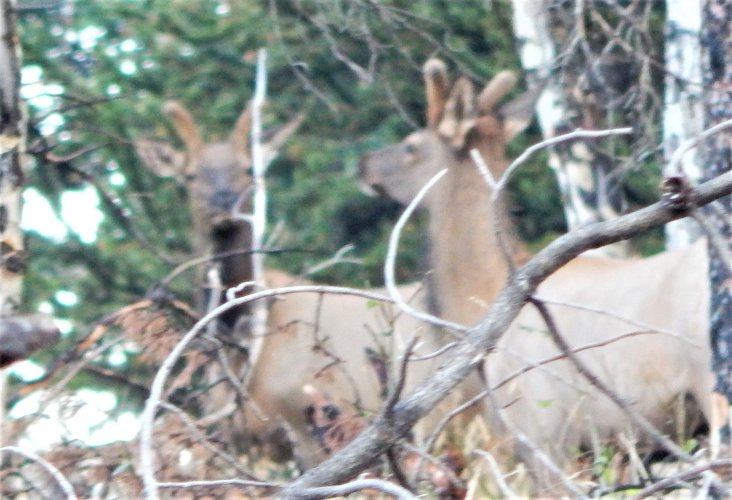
{"x": 22, "y": 335}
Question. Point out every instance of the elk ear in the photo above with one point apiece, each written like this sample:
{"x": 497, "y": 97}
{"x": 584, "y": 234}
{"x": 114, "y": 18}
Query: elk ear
{"x": 435, "y": 81}
{"x": 517, "y": 114}
{"x": 495, "y": 90}
{"x": 239, "y": 137}
{"x": 161, "y": 158}
{"x": 460, "y": 114}
{"x": 185, "y": 127}
{"x": 279, "y": 136}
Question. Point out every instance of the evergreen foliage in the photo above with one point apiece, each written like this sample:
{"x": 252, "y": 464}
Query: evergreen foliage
{"x": 353, "y": 66}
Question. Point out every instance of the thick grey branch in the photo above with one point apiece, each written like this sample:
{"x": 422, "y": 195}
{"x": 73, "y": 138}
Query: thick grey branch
{"x": 388, "y": 429}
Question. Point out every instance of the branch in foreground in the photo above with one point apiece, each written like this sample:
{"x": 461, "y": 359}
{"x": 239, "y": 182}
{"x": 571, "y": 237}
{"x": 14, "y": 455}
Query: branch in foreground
{"x": 147, "y": 460}
{"x": 353, "y": 487}
{"x": 60, "y": 479}
{"x": 388, "y": 429}
{"x": 636, "y": 417}
{"x": 684, "y": 475}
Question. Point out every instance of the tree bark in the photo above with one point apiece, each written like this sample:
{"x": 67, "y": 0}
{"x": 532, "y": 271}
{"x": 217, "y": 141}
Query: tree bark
{"x": 590, "y": 189}
{"x": 717, "y": 76}
{"x": 12, "y": 141}
{"x": 12, "y": 126}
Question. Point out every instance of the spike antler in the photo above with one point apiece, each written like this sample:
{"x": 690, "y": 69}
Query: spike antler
{"x": 459, "y": 114}
{"x": 495, "y": 90}
{"x": 436, "y": 83}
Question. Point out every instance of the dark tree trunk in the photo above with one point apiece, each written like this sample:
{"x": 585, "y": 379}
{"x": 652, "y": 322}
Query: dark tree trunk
{"x": 717, "y": 74}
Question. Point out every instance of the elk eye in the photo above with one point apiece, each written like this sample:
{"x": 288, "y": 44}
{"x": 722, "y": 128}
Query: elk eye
{"x": 410, "y": 148}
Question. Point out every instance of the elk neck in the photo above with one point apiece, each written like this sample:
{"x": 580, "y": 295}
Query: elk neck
{"x": 469, "y": 268}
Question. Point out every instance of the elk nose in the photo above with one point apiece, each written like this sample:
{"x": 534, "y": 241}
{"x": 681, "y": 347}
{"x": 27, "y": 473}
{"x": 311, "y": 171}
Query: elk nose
{"x": 365, "y": 178}
{"x": 363, "y": 165}
{"x": 224, "y": 200}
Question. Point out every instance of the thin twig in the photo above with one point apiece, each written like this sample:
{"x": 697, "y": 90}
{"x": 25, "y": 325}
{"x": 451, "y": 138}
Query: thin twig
{"x": 398, "y": 386}
{"x": 689, "y": 144}
{"x": 147, "y": 459}
{"x": 580, "y": 366}
{"x": 439, "y": 352}
{"x": 684, "y": 475}
{"x": 219, "y": 482}
{"x": 62, "y": 481}
{"x": 205, "y": 442}
{"x": 506, "y": 490}
{"x": 494, "y": 199}
{"x": 432, "y": 439}
{"x": 537, "y": 453}
{"x": 352, "y": 487}
{"x": 644, "y": 327}
{"x": 531, "y": 365}
{"x": 337, "y": 258}
{"x": 389, "y": 264}
{"x": 576, "y": 134}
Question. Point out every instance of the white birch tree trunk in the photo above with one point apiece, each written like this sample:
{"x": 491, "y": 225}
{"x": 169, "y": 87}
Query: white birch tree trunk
{"x": 12, "y": 144}
{"x": 683, "y": 116}
{"x": 583, "y": 197}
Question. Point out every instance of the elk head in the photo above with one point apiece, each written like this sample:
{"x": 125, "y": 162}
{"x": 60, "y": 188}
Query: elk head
{"x": 463, "y": 240}
{"x": 217, "y": 179}
{"x": 458, "y": 120}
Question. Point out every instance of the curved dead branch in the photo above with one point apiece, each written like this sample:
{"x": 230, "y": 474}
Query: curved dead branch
{"x": 387, "y": 430}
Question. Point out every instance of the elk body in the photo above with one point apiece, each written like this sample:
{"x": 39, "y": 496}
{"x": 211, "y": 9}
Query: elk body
{"x": 317, "y": 348}
{"x": 552, "y": 404}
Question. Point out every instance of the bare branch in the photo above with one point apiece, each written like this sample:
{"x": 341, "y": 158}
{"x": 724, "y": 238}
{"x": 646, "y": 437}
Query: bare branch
{"x": 689, "y": 144}
{"x": 352, "y": 487}
{"x": 385, "y": 432}
{"x": 506, "y": 490}
{"x": 63, "y": 483}
{"x": 242, "y": 483}
{"x": 166, "y": 368}
{"x": 389, "y": 264}
{"x": 684, "y": 475}
{"x": 576, "y": 134}
{"x": 636, "y": 417}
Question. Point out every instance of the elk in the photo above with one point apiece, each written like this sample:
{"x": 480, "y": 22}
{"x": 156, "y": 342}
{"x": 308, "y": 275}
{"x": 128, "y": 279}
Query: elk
{"x": 334, "y": 347}
{"x": 593, "y": 300}
{"x": 215, "y": 178}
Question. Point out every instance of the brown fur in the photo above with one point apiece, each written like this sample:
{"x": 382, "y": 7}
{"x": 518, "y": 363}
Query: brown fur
{"x": 322, "y": 342}
{"x": 667, "y": 292}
